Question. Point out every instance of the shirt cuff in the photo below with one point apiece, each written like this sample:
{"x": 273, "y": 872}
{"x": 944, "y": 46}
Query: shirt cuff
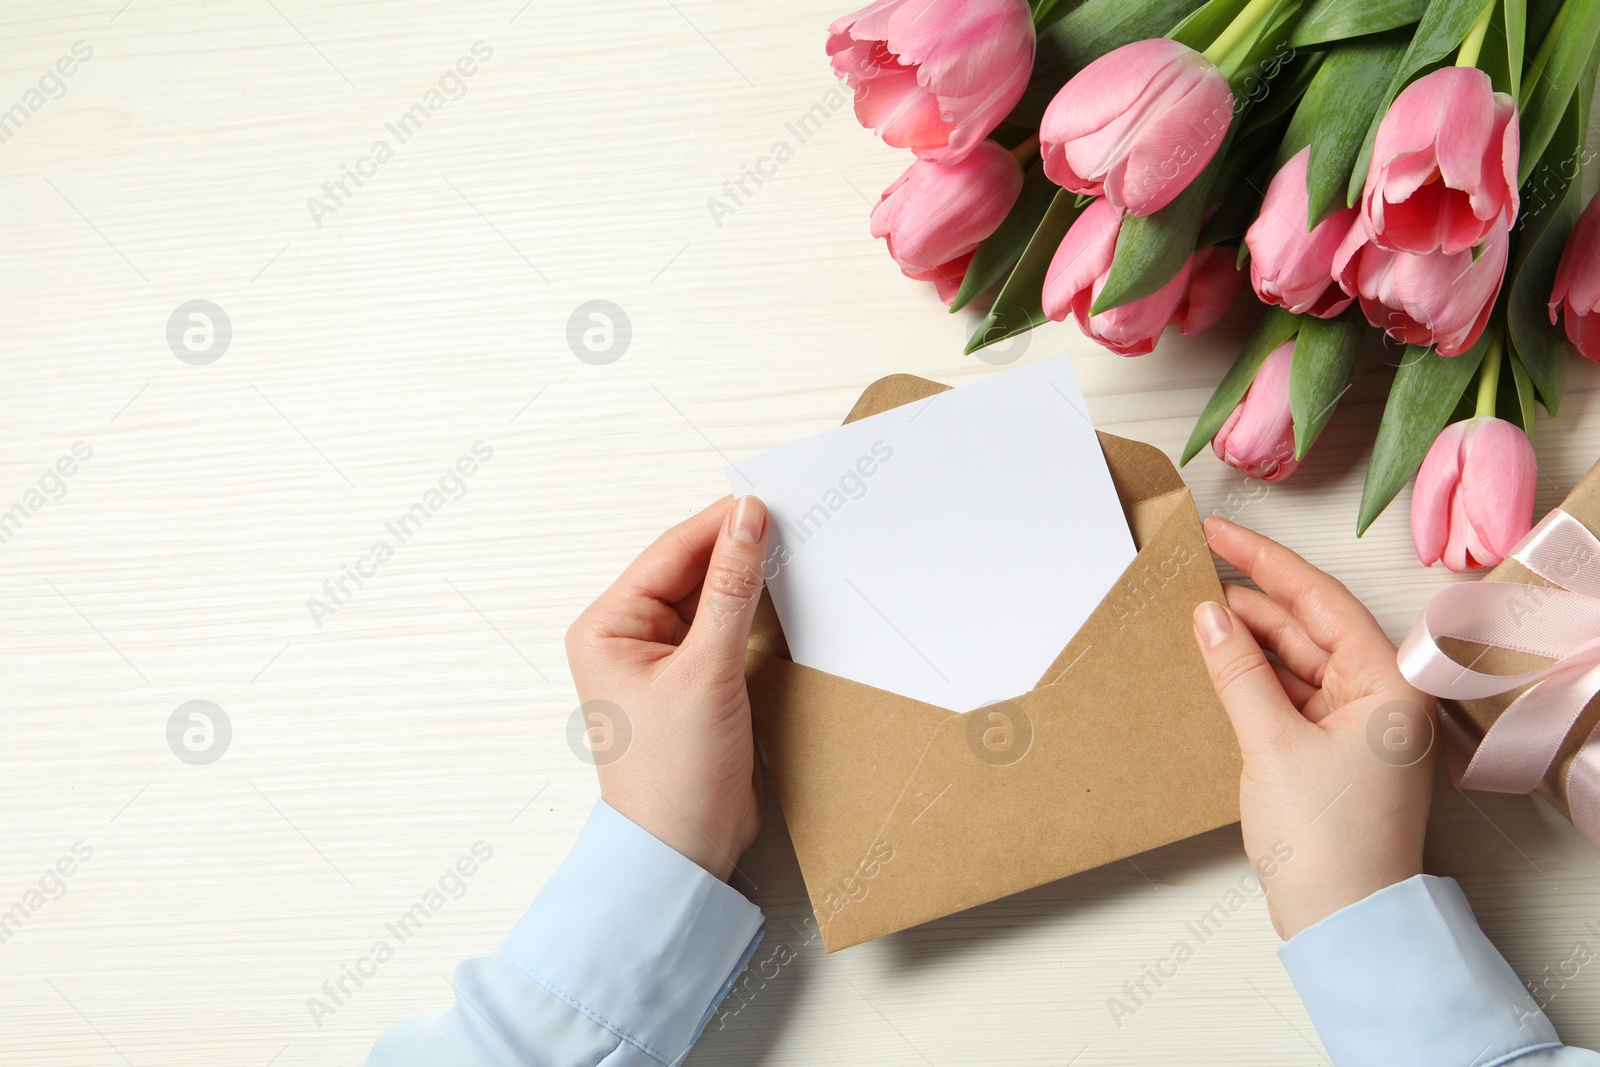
{"x": 1406, "y": 977}
{"x": 636, "y": 936}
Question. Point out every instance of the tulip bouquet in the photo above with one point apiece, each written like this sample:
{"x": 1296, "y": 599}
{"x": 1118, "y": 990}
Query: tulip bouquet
{"x": 1410, "y": 169}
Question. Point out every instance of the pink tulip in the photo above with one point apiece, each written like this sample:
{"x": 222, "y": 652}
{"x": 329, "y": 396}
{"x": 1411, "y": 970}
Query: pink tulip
{"x": 1195, "y": 299}
{"x": 934, "y": 76}
{"x": 1258, "y": 437}
{"x": 1290, "y": 266}
{"x": 1436, "y": 299}
{"x": 1444, "y": 164}
{"x": 1577, "y": 286}
{"x": 935, "y": 214}
{"x": 1474, "y": 495}
{"x": 1137, "y": 125}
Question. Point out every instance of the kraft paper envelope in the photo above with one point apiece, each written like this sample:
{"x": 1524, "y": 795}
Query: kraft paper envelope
{"x": 902, "y": 812}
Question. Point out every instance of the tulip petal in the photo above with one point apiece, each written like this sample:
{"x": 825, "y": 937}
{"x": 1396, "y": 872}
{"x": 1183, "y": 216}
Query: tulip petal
{"x": 1177, "y": 140}
{"x": 1347, "y": 258}
{"x": 1460, "y": 542}
{"x": 961, "y": 47}
{"x": 1453, "y": 294}
{"x": 1133, "y": 329}
{"x": 871, "y": 23}
{"x": 1084, "y": 255}
{"x": 946, "y": 278}
{"x": 904, "y": 113}
{"x": 1214, "y": 282}
{"x": 1577, "y": 280}
{"x": 1431, "y": 496}
{"x": 1503, "y": 195}
{"x": 1105, "y": 89}
{"x": 1466, "y": 125}
{"x": 1583, "y": 330}
{"x": 1499, "y": 476}
{"x": 977, "y": 115}
{"x": 1219, "y": 443}
{"x": 882, "y": 219}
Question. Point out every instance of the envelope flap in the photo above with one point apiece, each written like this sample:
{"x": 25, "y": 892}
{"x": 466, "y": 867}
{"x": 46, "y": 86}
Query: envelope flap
{"x": 888, "y": 393}
{"x": 1139, "y": 471}
{"x": 1170, "y": 541}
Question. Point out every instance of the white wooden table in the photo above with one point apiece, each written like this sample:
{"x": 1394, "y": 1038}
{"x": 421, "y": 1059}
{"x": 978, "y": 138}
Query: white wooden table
{"x": 374, "y": 340}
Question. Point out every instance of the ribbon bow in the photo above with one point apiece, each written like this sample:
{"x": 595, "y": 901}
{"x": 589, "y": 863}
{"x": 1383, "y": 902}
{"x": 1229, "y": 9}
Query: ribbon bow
{"x": 1560, "y": 624}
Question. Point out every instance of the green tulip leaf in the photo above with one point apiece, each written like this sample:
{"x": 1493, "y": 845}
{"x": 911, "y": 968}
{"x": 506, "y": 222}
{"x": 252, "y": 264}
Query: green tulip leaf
{"x": 1320, "y": 374}
{"x": 1425, "y": 392}
{"x": 1540, "y": 15}
{"x": 1333, "y": 118}
{"x": 1000, "y": 251}
{"x": 1522, "y": 411}
{"x": 1549, "y": 85}
{"x": 1336, "y": 21}
{"x": 1276, "y": 327}
{"x": 1020, "y": 307}
{"x": 1444, "y": 26}
{"x": 1286, "y": 95}
{"x": 1552, "y": 199}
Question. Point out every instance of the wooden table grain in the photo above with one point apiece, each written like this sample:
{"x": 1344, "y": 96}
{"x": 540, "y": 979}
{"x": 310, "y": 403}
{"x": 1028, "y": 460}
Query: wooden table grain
{"x": 396, "y": 213}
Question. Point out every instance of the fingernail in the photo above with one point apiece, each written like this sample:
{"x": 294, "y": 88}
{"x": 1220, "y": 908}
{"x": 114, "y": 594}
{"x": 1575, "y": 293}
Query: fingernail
{"x": 1213, "y": 622}
{"x": 748, "y": 520}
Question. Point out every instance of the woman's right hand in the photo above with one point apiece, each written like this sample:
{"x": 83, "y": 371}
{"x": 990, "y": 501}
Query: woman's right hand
{"x": 1338, "y": 747}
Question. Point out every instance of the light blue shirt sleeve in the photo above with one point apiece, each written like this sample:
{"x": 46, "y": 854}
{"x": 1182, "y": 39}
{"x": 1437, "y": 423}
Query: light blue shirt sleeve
{"x": 622, "y": 959}
{"x": 1406, "y": 978}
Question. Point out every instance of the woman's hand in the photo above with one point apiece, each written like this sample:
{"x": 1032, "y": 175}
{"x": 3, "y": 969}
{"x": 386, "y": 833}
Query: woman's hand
{"x": 1338, "y": 747}
{"x": 665, "y": 645}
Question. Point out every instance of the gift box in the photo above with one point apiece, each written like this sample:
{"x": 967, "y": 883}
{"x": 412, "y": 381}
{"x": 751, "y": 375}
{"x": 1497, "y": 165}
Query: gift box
{"x": 902, "y": 812}
{"x": 1515, "y": 662}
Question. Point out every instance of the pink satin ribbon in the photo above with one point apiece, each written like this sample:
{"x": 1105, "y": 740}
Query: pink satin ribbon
{"x": 1561, "y": 624}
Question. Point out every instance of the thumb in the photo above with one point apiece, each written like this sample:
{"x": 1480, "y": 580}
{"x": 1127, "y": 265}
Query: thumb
{"x": 732, "y": 586}
{"x": 1263, "y": 716}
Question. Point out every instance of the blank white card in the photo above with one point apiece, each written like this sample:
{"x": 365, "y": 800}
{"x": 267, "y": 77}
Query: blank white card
{"x": 946, "y": 550}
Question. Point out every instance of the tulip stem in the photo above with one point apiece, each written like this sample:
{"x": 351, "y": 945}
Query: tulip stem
{"x": 1238, "y": 29}
{"x": 1468, "y": 57}
{"x": 1026, "y": 150}
{"x": 1489, "y": 379}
